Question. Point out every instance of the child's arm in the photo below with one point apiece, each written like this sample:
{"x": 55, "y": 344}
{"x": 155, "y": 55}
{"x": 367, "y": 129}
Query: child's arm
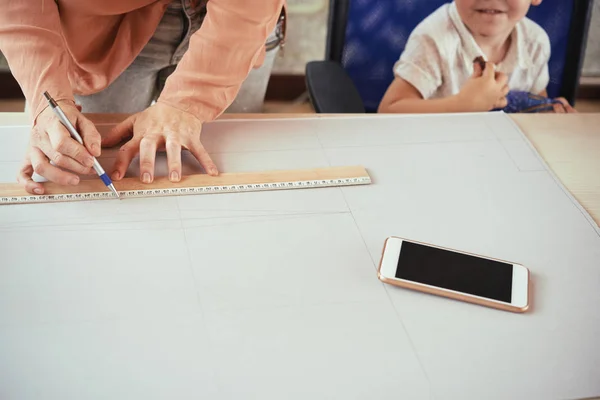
{"x": 484, "y": 91}
{"x": 402, "y": 97}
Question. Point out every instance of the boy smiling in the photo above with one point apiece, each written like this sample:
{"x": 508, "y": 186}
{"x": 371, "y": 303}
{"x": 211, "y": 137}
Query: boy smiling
{"x": 436, "y": 72}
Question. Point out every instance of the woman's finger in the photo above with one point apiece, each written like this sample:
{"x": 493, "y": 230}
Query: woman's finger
{"x": 148, "y": 146}
{"x": 120, "y": 132}
{"x": 89, "y": 134}
{"x": 24, "y": 177}
{"x": 41, "y": 165}
{"x": 62, "y": 142}
{"x": 196, "y": 148}
{"x": 174, "y": 159}
{"x": 71, "y": 165}
{"x": 126, "y": 154}
{"x": 61, "y": 160}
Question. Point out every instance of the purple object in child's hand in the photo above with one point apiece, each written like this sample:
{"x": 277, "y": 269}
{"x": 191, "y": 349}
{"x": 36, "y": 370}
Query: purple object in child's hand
{"x": 520, "y": 101}
{"x": 525, "y": 102}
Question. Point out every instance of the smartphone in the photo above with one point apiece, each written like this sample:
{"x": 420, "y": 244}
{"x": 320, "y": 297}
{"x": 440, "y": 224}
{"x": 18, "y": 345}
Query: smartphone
{"x": 455, "y": 274}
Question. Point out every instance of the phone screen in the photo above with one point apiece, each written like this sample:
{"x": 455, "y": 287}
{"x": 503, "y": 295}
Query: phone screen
{"x": 455, "y": 271}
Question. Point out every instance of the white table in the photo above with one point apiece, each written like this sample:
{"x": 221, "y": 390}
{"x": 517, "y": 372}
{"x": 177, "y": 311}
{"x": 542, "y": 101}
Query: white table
{"x": 275, "y": 296}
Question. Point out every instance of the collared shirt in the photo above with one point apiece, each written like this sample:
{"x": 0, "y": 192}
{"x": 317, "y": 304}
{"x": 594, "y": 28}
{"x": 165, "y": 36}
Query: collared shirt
{"x": 438, "y": 57}
{"x": 71, "y": 47}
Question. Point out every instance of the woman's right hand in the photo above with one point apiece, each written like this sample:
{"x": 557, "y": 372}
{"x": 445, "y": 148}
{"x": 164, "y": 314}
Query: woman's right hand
{"x": 485, "y": 90}
{"x": 51, "y": 142}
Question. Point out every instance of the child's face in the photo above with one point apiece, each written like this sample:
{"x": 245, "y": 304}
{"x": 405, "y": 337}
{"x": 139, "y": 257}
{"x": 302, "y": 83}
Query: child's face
{"x": 491, "y": 18}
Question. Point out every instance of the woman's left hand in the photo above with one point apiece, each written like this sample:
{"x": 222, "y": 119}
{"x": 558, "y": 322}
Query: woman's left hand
{"x": 159, "y": 126}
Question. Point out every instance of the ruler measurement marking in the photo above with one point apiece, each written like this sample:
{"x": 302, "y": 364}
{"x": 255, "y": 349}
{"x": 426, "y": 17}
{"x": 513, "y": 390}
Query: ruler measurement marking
{"x": 233, "y": 188}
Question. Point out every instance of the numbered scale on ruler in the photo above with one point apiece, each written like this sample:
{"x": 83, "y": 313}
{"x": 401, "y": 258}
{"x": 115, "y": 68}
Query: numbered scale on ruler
{"x": 188, "y": 191}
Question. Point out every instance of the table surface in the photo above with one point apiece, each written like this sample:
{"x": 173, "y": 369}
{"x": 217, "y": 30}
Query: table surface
{"x": 570, "y": 145}
{"x": 274, "y": 294}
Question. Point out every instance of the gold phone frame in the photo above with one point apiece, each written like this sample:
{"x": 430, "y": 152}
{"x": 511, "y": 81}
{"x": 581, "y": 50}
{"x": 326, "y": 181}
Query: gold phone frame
{"x": 452, "y": 294}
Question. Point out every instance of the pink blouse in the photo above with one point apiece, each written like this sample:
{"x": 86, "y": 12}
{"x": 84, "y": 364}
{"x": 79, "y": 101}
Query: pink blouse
{"x": 79, "y": 47}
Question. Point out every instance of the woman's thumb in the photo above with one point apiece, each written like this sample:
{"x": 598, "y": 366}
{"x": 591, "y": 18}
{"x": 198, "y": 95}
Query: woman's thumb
{"x": 119, "y": 132}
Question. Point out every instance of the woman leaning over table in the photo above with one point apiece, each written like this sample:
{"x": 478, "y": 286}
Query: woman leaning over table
{"x": 173, "y": 64}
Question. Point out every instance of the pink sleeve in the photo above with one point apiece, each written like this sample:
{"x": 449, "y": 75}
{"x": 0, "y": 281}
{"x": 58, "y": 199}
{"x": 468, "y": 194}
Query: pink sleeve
{"x": 31, "y": 41}
{"x": 222, "y": 52}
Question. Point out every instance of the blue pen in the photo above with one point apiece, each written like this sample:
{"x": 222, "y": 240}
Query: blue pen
{"x": 65, "y": 121}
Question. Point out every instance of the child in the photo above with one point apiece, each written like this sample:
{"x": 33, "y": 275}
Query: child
{"x": 437, "y": 71}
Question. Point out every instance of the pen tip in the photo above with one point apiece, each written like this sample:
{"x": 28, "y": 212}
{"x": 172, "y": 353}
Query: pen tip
{"x": 112, "y": 188}
{"x": 47, "y": 96}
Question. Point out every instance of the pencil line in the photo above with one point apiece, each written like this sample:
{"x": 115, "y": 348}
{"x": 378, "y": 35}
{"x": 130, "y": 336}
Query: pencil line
{"x": 188, "y": 223}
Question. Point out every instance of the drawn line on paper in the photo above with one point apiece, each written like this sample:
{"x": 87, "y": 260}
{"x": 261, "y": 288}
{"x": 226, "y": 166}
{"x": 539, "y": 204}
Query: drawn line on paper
{"x": 231, "y": 221}
{"x": 304, "y": 305}
{"x": 374, "y": 263}
{"x": 261, "y": 220}
{"x": 86, "y": 220}
{"x": 83, "y": 221}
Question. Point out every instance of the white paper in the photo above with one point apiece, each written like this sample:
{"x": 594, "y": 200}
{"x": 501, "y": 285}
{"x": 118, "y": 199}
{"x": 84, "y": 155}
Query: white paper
{"x": 274, "y": 295}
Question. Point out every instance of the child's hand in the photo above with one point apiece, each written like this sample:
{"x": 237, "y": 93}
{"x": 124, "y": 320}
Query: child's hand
{"x": 485, "y": 90}
{"x": 564, "y": 107}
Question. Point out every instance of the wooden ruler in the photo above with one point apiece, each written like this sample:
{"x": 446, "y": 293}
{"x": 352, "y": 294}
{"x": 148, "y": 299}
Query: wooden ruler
{"x": 94, "y": 189}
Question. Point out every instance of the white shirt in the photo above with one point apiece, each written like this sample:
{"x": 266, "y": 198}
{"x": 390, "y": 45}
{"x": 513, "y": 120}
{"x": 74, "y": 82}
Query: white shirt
{"x": 438, "y": 57}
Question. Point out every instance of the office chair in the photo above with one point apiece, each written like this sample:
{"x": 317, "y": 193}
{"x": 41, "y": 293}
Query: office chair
{"x": 366, "y": 37}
